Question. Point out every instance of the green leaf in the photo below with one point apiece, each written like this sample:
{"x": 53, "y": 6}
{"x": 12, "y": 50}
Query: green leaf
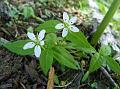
{"x": 80, "y": 42}
{"x": 28, "y": 11}
{"x": 3, "y": 41}
{"x": 49, "y": 26}
{"x": 96, "y": 62}
{"x": 105, "y": 50}
{"x": 94, "y": 85}
{"x": 17, "y": 47}
{"x": 102, "y": 8}
{"x": 56, "y": 80}
{"x": 30, "y": 29}
{"x": 114, "y": 66}
{"x": 46, "y": 60}
{"x": 85, "y": 76}
{"x": 51, "y": 39}
{"x": 65, "y": 58}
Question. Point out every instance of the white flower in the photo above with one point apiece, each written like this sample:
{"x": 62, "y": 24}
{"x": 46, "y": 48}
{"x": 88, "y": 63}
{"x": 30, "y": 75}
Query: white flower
{"x": 67, "y": 25}
{"x": 36, "y": 42}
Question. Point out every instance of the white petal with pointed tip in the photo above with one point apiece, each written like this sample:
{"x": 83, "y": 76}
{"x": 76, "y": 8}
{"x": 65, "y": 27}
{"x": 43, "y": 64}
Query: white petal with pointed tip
{"x": 64, "y": 32}
{"x": 37, "y": 51}
{"x": 42, "y": 43}
{"x": 29, "y": 45}
{"x": 74, "y": 29}
{"x": 59, "y": 26}
{"x": 65, "y": 17}
{"x": 73, "y": 20}
{"x": 31, "y": 36}
{"x": 41, "y": 34}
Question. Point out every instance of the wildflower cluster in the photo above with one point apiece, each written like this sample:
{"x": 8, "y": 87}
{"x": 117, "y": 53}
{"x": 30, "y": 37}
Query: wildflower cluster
{"x": 37, "y": 41}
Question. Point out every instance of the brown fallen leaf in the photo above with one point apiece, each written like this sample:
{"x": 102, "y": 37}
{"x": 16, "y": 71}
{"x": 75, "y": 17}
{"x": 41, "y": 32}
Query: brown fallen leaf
{"x": 51, "y": 78}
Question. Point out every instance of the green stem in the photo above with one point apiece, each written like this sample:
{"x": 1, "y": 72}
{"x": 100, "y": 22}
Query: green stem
{"x": 105, "y": 22}
{"x": 38, "y": 19}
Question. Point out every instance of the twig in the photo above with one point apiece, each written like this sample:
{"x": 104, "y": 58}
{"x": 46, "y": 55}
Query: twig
{"x": 23, "y": 85}
{"x": 67, "y": 83}
{"x": 5, "y": 31}
{"x": 107, "y": 75}
{"x": 50, "y": 83}
{"x": 64, "y": 85}
{"x": 63, "y": 73}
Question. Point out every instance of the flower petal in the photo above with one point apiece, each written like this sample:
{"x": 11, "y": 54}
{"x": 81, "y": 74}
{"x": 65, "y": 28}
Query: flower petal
{"x": 31, "y": 36}
{"x": 74, "y": 29}
{"x": 29, "y": 45}
{"x": 73, "y": 20}
{"x": 59, "y": 26}
{"x": 42, "y": 43}
{"x": 64, "y": 32}
{"x": 65, "y": 17}
{"x": 37, "y": 51}
{"x": 41, "y": 34}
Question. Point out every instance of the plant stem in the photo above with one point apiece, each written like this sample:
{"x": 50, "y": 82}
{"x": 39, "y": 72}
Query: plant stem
{"x": 105, "y": 21}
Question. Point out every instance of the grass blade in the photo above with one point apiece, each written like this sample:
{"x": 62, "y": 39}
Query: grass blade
{"x": 105, "y": 21}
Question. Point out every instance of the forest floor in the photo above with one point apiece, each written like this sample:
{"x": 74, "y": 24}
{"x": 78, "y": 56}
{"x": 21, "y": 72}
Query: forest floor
{"x": 22, "y": 72}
